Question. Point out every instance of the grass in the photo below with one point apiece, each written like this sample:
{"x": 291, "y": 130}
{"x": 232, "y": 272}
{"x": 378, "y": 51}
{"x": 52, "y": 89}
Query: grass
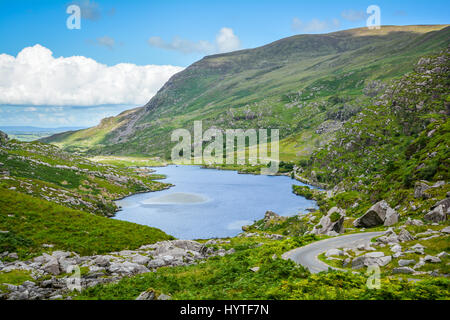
{"x": 32, "y": 222}
{"x": 230, "y": 277}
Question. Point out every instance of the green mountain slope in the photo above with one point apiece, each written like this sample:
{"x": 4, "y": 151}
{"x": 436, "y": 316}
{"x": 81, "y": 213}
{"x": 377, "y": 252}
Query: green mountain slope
{"x": 294, "y": 84}
{"x": 52, "y": 199}
{"x": 393, "y": 148}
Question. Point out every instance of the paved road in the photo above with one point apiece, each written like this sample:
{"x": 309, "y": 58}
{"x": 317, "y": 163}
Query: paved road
{"x": 307, "y": 255}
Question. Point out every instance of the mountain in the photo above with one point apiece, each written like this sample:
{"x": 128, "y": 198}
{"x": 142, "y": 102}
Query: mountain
{"x": 305, "y": 85}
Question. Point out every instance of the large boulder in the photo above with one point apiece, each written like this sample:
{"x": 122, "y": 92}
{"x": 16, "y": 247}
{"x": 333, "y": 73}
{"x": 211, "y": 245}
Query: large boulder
{"x": 420, "y": 188}
{"x": 332, "y": 223}
{"x": 371, "y": 259}
{"x": 379, "y": 214}
{"x": 437, "y": 214}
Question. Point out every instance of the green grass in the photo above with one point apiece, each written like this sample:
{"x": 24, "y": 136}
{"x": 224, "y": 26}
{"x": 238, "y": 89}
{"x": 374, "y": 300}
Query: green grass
{"x": 230, "y": 277}
{"x": 32, "y": 222}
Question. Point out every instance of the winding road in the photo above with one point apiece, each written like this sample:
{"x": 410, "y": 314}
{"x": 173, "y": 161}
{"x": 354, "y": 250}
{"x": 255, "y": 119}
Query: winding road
{"x": 307, "y": 255}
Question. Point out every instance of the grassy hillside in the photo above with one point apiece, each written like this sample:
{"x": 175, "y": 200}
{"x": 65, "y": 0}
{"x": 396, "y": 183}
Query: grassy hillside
{"x": 294, "y": 84}
{"x": 46, "y": 172}
{"x": 53, "y": 200}
{"x": 32, "y": 224}
{"x": 388, "y": 148}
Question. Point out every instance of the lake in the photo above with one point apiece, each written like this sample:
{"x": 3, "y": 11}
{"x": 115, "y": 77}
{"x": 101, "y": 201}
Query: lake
{"x": 209, "y": 203}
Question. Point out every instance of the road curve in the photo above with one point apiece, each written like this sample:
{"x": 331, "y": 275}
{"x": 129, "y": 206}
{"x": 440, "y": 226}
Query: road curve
{"x": 307, "y": 255}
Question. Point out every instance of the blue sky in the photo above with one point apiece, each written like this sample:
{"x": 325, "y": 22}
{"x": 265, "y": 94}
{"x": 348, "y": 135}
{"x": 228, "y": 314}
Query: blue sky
{"x": 164, "y": 33}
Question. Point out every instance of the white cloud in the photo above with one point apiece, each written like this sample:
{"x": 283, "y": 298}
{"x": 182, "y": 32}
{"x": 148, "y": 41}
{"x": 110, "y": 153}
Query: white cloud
{"x": 315, "y": 25}
{"x": 35, "y": 77}
{"x": 30, "y": 109}
{"x": 226, "y": 41}
{"x": 353, "y": 15}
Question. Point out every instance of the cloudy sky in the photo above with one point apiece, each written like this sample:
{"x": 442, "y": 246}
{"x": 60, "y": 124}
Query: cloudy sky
{"x": 124, "y": 51}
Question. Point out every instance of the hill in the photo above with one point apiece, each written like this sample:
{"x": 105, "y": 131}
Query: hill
{"x": 305, "y": 85}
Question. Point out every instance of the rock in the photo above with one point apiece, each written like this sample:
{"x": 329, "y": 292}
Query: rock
{"x": 60, "y": 254}
{"x": 52, "y": 267}
{"x": 270, "y": 215}
{"x": 127, "y": 268}
{"x": 396, "y": 248}
{"x": 443, "y": 254}
{"x": 420, "y": 188}
{"x": 376, "y": 254}
{"x": 418, "y": 248}
{"x": 436, "y": 215}
{"x": 156, "y": 263}
{"x": 102, "y": 261}
{"x": 140, "y": 259}
{"x": 254, "y": 269}
{"x": 414, "y": 222}
{"x": 403, "y": 263}
{"x": 444, "y": 203}
{"x": 147, "y": 295}
{"x": 332, "y": 223}
{"x": 431, "y": 259}
{"x": 379, "y": 214}
{"x": 446, "y": 230}
{"x": 404, "y": 270}
{"x": 334, "y": 252}
{"x": 13, "y": 255}
{"x": 404, "y": 235}
{"x": 375, "y": 259}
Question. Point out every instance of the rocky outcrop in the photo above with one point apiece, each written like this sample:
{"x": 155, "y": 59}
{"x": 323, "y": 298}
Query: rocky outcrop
{"x": 331, "y": 224}
{"x": 437, "y": 214}
{"x": 53, "y": 273}
{"x": 371, "y": 259}
{"x": 379, "y": 214}
{"x": 422, "y": 186}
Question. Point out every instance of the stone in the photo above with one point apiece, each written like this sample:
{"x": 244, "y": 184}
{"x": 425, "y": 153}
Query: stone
{"x": 140, "y": 259}
{"x": 102, "y": 261}
{"x": 420, "y": 188}
{"x": 327, "y": 226}
{"x": 431, "y": 259}
{"x": 163, "y": 296}
{"x": 379, "y": 214}
{"x": 418, "y": 248}
{"x": 13, "y": 255}
{"x": 404, "y": 270}
{"x": 404, "y": 235}
{"x": 156, "y": 263}
{"x": 396, "y": 248}
{"x": 52, "y": 267}
{"x": 365, "y": 261}
{"x": 446, "y": 230}
{"x": 334, "y": 252}
{"x": 254, "y": 269}
{"x": 376, "y": 254}
{"x": 147, "y": 295}
{"x": 444, "y": 203}
{"x": 436, "y": 215}
{"x": 403, "y": 262}
{"x": 443, "y": 254}
{"x": 413, "y": 222}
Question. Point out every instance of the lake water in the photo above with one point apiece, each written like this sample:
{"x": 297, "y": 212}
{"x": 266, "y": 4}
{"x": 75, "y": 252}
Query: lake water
{"x": 208, "y": 203}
